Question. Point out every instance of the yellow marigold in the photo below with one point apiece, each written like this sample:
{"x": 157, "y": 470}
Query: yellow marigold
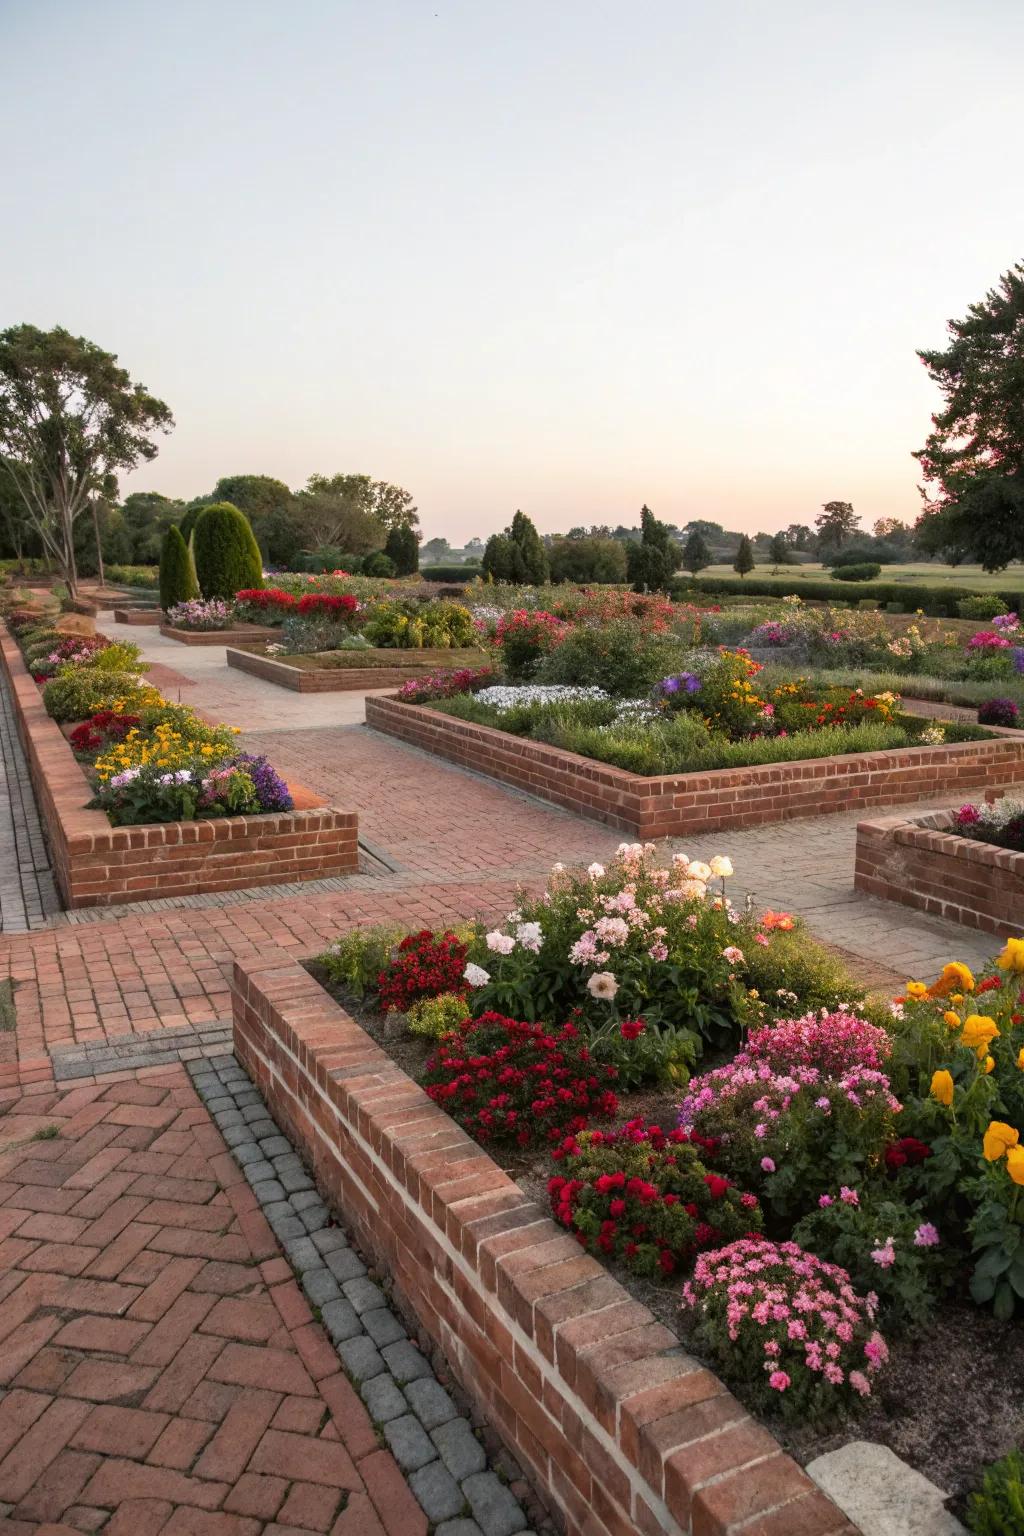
{"x": 1012, "y": 957}
{"x": 916, "y": 989}
{"x": 1015, "y": 1164}
{"x": 957, "y": 999}
{"x": 1020, "y": 1058}
{"x": 954, "y": 975}
{"x": 989, "y": 1064}
{"x": 952, "y": 1019}
{"x": 998, "y": 1140}
{"x": 979, "y": 1032}
{"x": 942, "y": 1087}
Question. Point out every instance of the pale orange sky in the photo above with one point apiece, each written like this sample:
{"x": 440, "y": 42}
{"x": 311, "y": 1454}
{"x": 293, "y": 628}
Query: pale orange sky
{"x": 567, "y": 258}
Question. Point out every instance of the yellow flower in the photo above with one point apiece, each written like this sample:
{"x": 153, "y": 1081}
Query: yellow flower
{"x": 1012, "y": 957}
{"x": 998, "y": 1140}
{"x": 942, "y": 1087}
{"x": 989, "y": 1064}
{"x": 1015, "y": 1164}
{"x": 979, "y": 1032}
{"x": 952, "y": 1019}
{"x": 1020, "y": 1058}
{"x": 957, "y": 999}
{"x": 916, "y": 989}
{"x": 955, "y": 974}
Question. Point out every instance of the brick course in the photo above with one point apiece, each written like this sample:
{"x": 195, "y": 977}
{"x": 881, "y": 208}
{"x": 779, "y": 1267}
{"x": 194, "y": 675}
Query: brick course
{"x": 336, "y": 679}
{"x": 96, "y": 864}
{"x": 921, "y": 863}
{"x": 602, "y": 1405}
{"x": 673, "y": 804}
{"x": 237, "y": 632}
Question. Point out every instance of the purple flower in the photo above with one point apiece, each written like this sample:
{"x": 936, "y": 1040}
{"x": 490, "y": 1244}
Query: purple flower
{"x": 271, "y": 789}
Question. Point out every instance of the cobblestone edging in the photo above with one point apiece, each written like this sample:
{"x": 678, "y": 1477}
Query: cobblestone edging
{"x": 28, "y": 892}
{"x": 434, "y": 1444}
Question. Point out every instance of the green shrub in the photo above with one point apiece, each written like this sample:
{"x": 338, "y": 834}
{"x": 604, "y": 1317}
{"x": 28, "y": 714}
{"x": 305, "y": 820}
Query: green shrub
{"x": 866, "y": 572}
{"x": 378, "y": 564}
{"x": 937, "y": 602}
{"x": 438, "y": 1016}
{"x": 402, "y": 548}
{"x": 356, "y": 959}
{"x": 620, "y": 657}
{"x": 83, "y": 691}
{"x": 177, "y": 575}
{"x": 133, "y": 576}
{"x": 227, "y": 557}
{"x": 450, "y": 572}
{"x": 998, "y": 1508}
{"x": 982, "y": 606}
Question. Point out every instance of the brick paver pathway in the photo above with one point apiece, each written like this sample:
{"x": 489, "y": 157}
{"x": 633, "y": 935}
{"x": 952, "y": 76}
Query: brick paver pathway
{"x": 27, "y": 890}
{"x": 162, "y": 1371}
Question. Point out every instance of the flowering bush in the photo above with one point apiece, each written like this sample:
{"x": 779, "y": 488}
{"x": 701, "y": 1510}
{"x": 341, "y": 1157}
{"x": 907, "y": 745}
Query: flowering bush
{"x": 422, "y": 966}
{"x": 443, "y": 685}
{"x": 1000, "y": 822}
{"x": 201, "y": 613}
{"x": 988, "y": 640}
{"x": 69, "y": 650}
{"x": 998, "y": 712}
{"x": 356, "y": 960}
{"x": 438, "y": 1016}
{"x": 886, "y": 1245}
{"x": 145, "y": 794}
{"x": 523, "y": 637}
{"x": 272, "y": 793}
{"x": 340, "y": 607}
{"x": 647, "y": 1198}
{"x": 264, "y": 605}
{"x": 835, "y": 1043}
{"x": 409, "y": 625}
{"x": 788, "y": 1325}
{"x": 92, "y": 735}
{"x": 510, "y": 1081}
{"x": 166, "y": 748}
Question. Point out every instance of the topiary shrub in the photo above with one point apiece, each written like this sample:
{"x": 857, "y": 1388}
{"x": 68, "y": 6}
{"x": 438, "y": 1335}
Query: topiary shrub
{"x": 177, "y": 575}
{"x": 378, "y": 564}
{"x": 866, "y": 572}
{"x": 981, "y": 606}
{"x": 227, "y": 557}
{"x": 998, "y": 1509}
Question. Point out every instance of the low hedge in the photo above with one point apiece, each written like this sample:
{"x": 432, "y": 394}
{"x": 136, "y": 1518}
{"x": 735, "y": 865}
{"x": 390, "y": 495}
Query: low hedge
{"x": 865, "y": 571}
{"x": 450, "y": 572}
{"x": 937, "y": 602}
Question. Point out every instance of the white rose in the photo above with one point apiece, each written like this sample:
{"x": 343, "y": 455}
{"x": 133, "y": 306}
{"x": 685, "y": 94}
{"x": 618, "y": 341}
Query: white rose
{"x": 699, "y": 871}
{"x": 603, "y": 985}
{"x": 721, "y": 866}
{"x": 595, "y": 871}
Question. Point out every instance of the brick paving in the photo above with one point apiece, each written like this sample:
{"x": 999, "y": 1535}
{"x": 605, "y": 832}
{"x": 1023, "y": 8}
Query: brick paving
{"x": 28, "y": 895}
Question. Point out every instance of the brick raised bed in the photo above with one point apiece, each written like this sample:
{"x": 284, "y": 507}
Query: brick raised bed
{"x": 236, "y": 634}
{"x": 921, "y": 863}
{"x": 619, "y": 1428}
{"x": 387, "y": 673}
{"x": 96, "y": 864}
{"x": 673, "y": 804}
{"x": 149, "y": 616}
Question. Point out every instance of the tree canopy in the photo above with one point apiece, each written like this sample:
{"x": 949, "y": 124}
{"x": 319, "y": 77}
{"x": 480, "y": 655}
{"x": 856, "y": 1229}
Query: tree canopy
{"x": 744, "y": 561}
{"x": 836, "y": 522}
{"x": 651, "y": 563}
{"x": 973, "y": 458}
{"x": 70, "y": 418}
{"x": 696, "y": 554}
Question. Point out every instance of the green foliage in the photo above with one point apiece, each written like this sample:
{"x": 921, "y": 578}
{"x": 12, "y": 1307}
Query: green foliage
{"x": 354, "y": 961}
{"x": 79, "y": 692}
{"x": 848, "y": 1235}
{"x": 621, "y": 657}
{"x": 498, "y": 563}
{"x": 435, "y": 1017}
{"x": 866, "y": 572}
{"x": 227, "y": 557}
{"x": 984, "y": 605}
{"x": 177, "y": 576}
{"x": 794, "y": 963}
{"x": 460, "y": 573}
{"x": 517, "y": 555}
{"x": 403, "y": 550}
{"x": 651, "y": 562}
{"x": 779, "y": 551}
{"x": 378, "y": 564}
{"x": 997, "y": 1509}
{"x": 744, "y": 560}
{"x": 697, "y": 553}
{"x": 588, "y": 560}
{"x": 145, "y": 576}
{"x": 938, "y": 602}
{"x": 836, "y": 522}
{"x": 418, "y": 626}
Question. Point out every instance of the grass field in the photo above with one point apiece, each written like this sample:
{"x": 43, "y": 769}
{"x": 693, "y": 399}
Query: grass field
{"x": 919, "y": 573}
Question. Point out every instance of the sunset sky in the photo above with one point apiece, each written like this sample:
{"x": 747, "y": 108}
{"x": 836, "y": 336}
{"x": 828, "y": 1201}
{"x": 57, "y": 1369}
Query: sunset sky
{"x": 568, "y": 256}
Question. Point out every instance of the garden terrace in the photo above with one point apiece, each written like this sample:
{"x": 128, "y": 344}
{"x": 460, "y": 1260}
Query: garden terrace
{"x": 922, "y": 862}
{"x": 613, "y": 1420}
{"x": 673, "y": 804}
{"x": 348, "y": 671}
{"x": 96, "y": 864}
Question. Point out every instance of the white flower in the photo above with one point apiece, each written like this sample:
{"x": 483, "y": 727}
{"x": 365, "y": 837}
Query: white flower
{"x": 529, "y": 936}
{"x": 556, "y": 869}
{"x": 500, "y": 943}
{"x": 681, "y": 860}
{"x": 721, "y": 866}
{"x": 699, "y": 871}
{"x": 595, "y": 871}
{"x": 502, "y": 697}
{"x": 603, "y": 985}
{"x": 476, "y": 975}
{"x": 691, "y": 887}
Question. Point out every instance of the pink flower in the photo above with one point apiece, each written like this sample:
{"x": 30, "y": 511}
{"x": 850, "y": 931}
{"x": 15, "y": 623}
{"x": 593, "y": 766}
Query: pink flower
{"x": 824, "y": 1200}
{"x": 926, "y": 1235}
{"x": 767, "y": 1165}
{"x": 762, "y": 938}
{"x": 860, "y": 1383}
{"x": 849, "y": 1196}
{"x": 778, "y": 1381}
{"x": 885, "y": 1256}
{"x": 732, "y": 954}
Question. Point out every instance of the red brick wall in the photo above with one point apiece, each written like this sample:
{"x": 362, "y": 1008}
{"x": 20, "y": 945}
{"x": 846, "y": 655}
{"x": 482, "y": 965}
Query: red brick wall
{"x": 96, "y": 864}
{"x": 723, "y": 798}
{"x": 237, "y": 633}
{"x": 922, "y": 864}
{"x": 619, "y": 1428}
{"x": 391, "y": 674}
{"x": 148, "y": 616}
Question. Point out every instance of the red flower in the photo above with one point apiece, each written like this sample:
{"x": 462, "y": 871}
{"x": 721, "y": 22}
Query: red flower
{"x": 990, "y": 984}
{"x": 631, "y": 1029}
{"x": 717, "y": 1186}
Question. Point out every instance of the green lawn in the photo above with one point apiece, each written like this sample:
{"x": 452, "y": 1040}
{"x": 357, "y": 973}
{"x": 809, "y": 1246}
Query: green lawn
{"x": 920, "y": 573}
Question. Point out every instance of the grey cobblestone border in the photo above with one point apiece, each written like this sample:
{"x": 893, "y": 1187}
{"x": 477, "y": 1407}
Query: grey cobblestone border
{"x": 28, "y": 892}
{"x": 146, "y": 1048}
{"x": 440, "y": 1454}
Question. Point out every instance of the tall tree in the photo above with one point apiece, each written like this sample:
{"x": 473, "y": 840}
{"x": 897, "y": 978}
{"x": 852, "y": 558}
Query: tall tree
{"x": 333, "y": 512}
{"x": 254, "y": 495}
{"x": 800, "y": 536}
{"x": 779, "y": 551}
{"x": 744, "y": 561}
{"x": 392, "y": 506}
{"x": 69, "y": 418}
{"x": 147, "y": 516}
{"x": 532, "y": 563}
{"x": 835, "y": 523}
{"x": 696, "y": 554}
{"x": 402, "y": 548}
{"x": 589, "y": 559}
{"x": 651, "y": 562}
{"x": 436, "y": 549}
{"x": 973, "y": 459}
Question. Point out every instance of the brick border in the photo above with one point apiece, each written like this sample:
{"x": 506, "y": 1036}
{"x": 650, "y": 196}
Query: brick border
{"x": 96, "y": 864}
{"x": 237, "y": 632}
{"x": 620, "y": 1429}
{"x": 721, "y": 798}
{"x": 920, "y": 863}
{"x": 148, "y": 616}
{"x": 328, "y": 679}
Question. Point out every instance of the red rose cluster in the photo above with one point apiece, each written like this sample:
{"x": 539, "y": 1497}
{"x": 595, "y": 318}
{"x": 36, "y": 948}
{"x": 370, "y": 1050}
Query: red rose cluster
{"x": 424, "y": 966}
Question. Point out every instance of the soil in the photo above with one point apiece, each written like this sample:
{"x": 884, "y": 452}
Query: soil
{"x": 951, "y": 1398}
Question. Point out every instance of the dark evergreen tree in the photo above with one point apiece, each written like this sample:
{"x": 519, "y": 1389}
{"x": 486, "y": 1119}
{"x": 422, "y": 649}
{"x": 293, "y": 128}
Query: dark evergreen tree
{"x": 227, "y": 557}
{"x": 177, "y": 577}
{"x": 744, "y": 561}
{"x": 696, "y": 554}
{"x": 498, "y": 562}
{"x": 778, "y": 550}
{"x": 532, "y": 566}
{"x": 651, "y": 563}
{"x": 402, "y": 547}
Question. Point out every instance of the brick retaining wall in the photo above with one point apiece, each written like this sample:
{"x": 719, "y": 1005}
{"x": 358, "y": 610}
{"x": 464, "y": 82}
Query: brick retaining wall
{"x": 237, "y": 633}
{"x": 96, "y": 864}
{"x": 619, "y": 1428}
{"x": 922, "y": 864}
{"x": 673, "y": 804}
{"x": 149, "y": 616}
{"x": 328, "y": 679}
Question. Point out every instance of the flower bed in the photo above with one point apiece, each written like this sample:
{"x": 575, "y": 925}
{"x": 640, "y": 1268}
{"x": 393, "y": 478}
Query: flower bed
{"x": 927, "y": 863}
{"x": 667, "y": 805}
{"x": 345, "y": 671}
{"x": 97, "y": 864}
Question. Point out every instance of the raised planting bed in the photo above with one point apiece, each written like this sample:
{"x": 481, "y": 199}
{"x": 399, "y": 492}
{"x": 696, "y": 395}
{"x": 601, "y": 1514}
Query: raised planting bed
{"x": 237, "y": 633}
{"x": 349, "y": 671}
{"x": 922, "y": 863}
{"x": 96, "y": 864}
{"x": 620, "y": 1429}
{"x": 672, "y": 804}
{"x": 148, "y": 616}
